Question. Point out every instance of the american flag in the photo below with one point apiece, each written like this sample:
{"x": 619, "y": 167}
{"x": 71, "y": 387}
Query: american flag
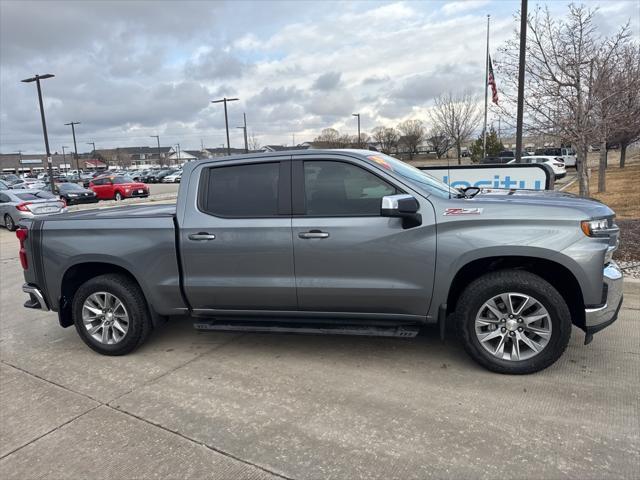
{"x": 492, "y": 82}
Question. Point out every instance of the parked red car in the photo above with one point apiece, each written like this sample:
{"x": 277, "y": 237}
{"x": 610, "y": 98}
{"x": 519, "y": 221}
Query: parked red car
{"x": 117, "y": 187}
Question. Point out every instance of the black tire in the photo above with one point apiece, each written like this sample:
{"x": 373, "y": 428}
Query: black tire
{"x": 9, "y": 223}
{"x": 117, "y": 197}
{"x": 130, "y": 294}
{"x": 495, "y": 283}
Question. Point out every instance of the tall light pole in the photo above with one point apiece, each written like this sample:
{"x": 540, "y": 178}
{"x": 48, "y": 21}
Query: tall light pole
{"x": 521, "y": 65}
{"x": 64, "y": 157}
{"x": 75, "y": 146}
{"x": 244, "y": 128}
{"x": 157, "y": 137}
{"x": 37, "y": 79}
{"x": 357, "y": 115}
{"x": 178, "y": 145}
{"x": 226, "y": 119}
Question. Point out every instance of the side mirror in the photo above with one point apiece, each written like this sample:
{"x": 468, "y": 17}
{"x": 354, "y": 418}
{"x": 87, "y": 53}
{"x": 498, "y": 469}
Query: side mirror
{"x": 402, "y": 206}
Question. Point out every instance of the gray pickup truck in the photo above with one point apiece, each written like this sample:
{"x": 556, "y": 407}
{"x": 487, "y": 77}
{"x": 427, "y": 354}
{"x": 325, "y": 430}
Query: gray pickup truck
{"x": 344, "y": 241}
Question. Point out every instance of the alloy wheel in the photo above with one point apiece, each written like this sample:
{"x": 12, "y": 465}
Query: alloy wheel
{"x": 105, "y": 318}
{"x": 513, "y": 326}
{"x": 9, "y": 223}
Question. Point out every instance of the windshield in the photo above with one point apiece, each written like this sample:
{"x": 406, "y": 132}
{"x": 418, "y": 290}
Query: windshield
{"x": 27, "y": 196}
{"x": 46, "y": 195}
{"x": 411, "y": 173}
{"x": 120, "y": 180}
{"x": 70, "y": 186}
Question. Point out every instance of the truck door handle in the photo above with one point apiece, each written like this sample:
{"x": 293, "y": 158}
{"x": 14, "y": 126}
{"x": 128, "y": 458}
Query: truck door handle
{"x": 313, "y": 234}
{"x": 202, "y": 236}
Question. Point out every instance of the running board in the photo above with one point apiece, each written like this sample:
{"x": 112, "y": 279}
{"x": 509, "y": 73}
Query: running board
{"x": 407, "y": 331}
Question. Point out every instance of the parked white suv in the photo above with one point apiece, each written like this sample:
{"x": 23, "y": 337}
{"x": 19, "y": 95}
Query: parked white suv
{"x": 556, "y": 163}
{"x": 568, "y": 155}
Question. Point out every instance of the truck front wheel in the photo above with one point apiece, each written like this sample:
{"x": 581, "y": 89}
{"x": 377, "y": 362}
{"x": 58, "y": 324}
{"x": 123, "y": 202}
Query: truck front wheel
{"x": 110, "y": 314}
{"x": 513, "y": 321}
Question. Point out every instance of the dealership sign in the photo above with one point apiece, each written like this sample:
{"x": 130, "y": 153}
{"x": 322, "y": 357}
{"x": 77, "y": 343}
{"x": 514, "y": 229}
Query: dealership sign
{"x": 527, "y": 177}
{"x": 25, "y": 161}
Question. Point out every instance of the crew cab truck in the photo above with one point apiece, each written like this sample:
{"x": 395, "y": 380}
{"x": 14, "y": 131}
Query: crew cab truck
{"x": 346, "y": 241}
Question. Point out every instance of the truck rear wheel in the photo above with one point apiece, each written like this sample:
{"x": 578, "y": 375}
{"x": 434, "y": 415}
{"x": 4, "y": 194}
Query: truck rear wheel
{"x": 512, "y": 321}
{"x": 110, "y": 314}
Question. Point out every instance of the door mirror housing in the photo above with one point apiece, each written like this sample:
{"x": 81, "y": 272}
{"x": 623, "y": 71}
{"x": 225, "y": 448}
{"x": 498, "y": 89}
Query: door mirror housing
{"x": 402, "y": 206}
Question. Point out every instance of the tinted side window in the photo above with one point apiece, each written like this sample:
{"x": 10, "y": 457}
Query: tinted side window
{"x": 242, "y": 190}
{"x": 336, "y": 188}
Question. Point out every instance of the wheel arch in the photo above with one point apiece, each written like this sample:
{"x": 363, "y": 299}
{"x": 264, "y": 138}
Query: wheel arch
{"x": 553, "y": 272}
{"x": 79, "y": 273}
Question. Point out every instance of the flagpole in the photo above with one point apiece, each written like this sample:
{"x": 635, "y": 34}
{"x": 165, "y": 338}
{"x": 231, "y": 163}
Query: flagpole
{"x": 486, "y": 85}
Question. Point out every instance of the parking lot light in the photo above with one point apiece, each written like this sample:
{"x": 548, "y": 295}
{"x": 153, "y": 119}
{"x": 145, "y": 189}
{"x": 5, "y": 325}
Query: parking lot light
{"x": 75, "y": 146}
{"x": 226, "y": 119}
{"x": 37, "y": 79}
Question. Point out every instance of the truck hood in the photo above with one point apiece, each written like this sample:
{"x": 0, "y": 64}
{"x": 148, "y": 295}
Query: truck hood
{"x": 543, "y": 199}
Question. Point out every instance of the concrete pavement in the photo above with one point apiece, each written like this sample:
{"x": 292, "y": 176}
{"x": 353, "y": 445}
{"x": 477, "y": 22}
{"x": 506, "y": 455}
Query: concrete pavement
{"x": 192, "y": 404}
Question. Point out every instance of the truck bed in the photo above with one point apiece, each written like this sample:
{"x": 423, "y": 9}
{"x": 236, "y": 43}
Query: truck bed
{"x": 140, "y": 239}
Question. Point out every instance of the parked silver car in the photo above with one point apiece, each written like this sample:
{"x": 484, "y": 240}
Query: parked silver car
{"x": 16, "y": 205}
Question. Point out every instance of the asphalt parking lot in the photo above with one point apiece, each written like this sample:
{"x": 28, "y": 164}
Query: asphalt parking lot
{"x": 191, "y": 404}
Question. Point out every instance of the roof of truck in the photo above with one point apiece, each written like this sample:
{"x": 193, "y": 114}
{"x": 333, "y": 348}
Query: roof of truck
{"x": 304, "y": 152}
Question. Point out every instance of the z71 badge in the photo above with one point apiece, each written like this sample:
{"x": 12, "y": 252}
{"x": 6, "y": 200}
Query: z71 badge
{"x": 462, "y": 211}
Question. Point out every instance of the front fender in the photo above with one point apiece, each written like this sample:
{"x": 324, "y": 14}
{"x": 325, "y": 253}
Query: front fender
{"x": 462, "y": 241}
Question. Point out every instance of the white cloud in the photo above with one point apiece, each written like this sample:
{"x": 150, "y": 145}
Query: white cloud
{"x": 296, "y": 67}
{"x": 462, "y": 6}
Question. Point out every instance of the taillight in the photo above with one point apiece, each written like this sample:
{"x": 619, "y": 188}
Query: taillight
{"x": 23, "y": 206}
{"x": 22, "y": 234}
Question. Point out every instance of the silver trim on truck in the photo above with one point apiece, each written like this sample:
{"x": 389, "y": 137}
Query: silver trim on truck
{"x": 35, "y": 292}
{"x": 605, "y": 313}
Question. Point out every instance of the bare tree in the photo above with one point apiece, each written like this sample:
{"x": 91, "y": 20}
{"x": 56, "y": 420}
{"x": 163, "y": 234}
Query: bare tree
{"x": 330, "y": 137}
{"x": 253, "y": 142}
{"x": 386, "y": 138}
{"x": 413, "y": 132}
{"x": 627, "y": 105}
{"x": 345, "y": 140}
{"x": 458, "y": 116}
{"x": 561, "y": 94}
{"x": 440, "y": 142}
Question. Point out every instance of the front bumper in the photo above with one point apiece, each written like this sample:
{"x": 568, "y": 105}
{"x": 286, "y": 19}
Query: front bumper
{"x": 135, "y": 194}
{"x": 601, "y": 316}
{"x": 82, "y": 200}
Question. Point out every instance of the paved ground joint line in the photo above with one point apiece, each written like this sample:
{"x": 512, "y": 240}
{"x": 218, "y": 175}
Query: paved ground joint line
{"x": 55, "y": 429}
{"x": 209, "y": 447}
{"x": 34, "y": 375}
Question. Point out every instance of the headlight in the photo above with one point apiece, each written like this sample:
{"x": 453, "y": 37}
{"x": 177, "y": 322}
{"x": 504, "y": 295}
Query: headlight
{"x": 595, "y": 228}
{"x": 73, "y": 194}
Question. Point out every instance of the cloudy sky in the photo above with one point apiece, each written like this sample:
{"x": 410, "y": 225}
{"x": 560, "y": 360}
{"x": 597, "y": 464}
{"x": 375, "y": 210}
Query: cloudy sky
{"x": 131, "y": 69}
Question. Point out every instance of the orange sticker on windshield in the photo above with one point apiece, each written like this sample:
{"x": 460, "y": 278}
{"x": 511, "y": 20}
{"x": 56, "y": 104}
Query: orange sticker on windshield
{"x": 381, "y": 161}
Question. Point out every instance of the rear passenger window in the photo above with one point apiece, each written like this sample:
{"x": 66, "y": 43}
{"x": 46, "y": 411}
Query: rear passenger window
{"x": 242, "y": 191}
{"x": 342, "y": 189}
